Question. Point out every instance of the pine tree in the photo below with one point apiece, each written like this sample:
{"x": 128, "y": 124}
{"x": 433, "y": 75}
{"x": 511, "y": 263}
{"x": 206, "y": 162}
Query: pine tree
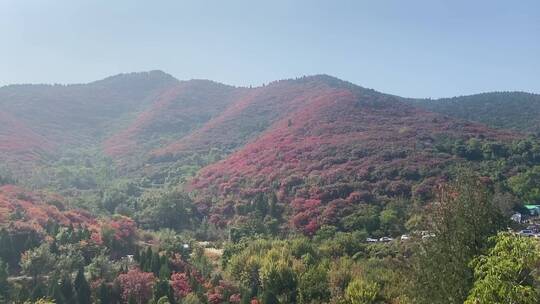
{"x": 142, "y": 259}
{"x": 4, "y": 284}
{"x": 116, "y": 292}
{"x": 156, "y": 263}
{"x": 269, "y": 298}
{"x": 54, "y": 247}
{"x": 104, "y": 294}
{"x": 55, "y": 292}
{"x": 132, "y": 300}
{"x": 274, "y": 208}
{"x": 137, "y": 255}
{"x": 164, "y": 271}
{"x": 22, "y": 295}
{"x": 39, "y": 291}
{"x": 161, "y": 289}
{"x": 148, "y": 260}
{"x": 6, "y": 246}
{"x": 66, "y": 287}
{"x": 82, "y": 288}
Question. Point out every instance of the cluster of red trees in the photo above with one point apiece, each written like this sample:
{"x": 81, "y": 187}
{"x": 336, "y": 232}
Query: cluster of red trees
{"x": 338, "y": 141}
{"x": 30, "y": 209}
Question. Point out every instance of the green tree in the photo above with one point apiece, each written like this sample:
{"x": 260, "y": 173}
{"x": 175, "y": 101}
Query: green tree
{"x": 164, "y": 271}
{"x": 191, "y": 299}
{"x": 163, "y": 300}
{"x": 7, "y": 253}
{"x": 527, "y": 185}
{"x": 104, "y": 294}
{"x": 166, "y": 209}
{"x": 341, "y": 273}
{"x": 162, "y": 289}
{"x": 82, "y": 288}
{"x": 313, "y": 286}
{"x": 147, "y": 261}
{"x": 462, "y": 221}
{"x": 101, "y": 267}
{"x": 39, "y": 290}
{"x": 66, "y": 287}
{"x": 155, "y": 264}
{"x": 5, "y": 288}
{"x": 506, "y": 274}
{"x": 361, "y": 292}
{"x": 113, "y": 198}
{"x": 38, "y": 261}
{"x": 277, "y": 276}
{"x": 55, "y": 292}
{"x": 69, "y": 261}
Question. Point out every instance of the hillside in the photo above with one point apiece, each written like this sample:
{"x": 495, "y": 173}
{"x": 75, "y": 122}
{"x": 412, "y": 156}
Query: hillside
{"x": 174, "y": 113}
{"x": 194, "y": 191}
{"x": 518, "y": 111}
{"x": 24, "y": 210}
{"x": 43, "y": 119}
{"x": 313, "y": 140}
{"x": 338, "y": 146}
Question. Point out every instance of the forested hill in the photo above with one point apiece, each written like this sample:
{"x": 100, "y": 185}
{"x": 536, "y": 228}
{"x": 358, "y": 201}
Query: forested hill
{"x": 518, "y": 111}
{"x": 140, "y": 188}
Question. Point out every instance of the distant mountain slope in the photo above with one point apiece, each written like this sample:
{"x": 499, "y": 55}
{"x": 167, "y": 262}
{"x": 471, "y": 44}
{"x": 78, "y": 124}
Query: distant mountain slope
{"x": 176, "y": 112}
{"x": 507, "y": 110}
{"x": 75, "y": 113}
{"x": 42, "y": 118}
{"x": 251, "y": 114}
{"x": 320, "y": 147}
{"x": 340, "y": 142}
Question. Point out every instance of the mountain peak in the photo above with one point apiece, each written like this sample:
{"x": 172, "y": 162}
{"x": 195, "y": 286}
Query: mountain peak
{"x": 154, "y": 76}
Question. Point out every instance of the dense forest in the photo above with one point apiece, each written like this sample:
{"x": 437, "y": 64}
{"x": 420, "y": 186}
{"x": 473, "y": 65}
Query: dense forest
{"x": 140, "y": 188}
{"x": 508, "y": 110}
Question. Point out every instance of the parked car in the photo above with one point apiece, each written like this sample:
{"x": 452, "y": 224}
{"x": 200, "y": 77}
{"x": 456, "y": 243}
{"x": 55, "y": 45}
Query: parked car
{"x": 371, "y": 240}
{"x": 428, "y": 235}
{"x": 526, "y": 233}
{"x": 385, "y": 239}
{"x": 405, "y": 237}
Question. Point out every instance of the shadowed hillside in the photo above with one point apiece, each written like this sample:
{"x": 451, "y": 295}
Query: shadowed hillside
{"x": 518, "y": 111}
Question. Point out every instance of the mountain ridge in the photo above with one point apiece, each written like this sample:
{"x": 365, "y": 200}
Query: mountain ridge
{"x": 151, "y": 116}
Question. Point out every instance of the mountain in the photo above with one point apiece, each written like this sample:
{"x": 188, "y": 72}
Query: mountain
{"x": 518, "y": 111}
{"x": 316, "y": 148}
{"x": 43, "y": 119}
{"x": 174, "y": 113}
{"x": 327, "y": 144}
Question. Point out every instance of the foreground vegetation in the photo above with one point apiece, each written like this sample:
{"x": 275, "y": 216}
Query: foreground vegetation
{"x": 110, "y": 260}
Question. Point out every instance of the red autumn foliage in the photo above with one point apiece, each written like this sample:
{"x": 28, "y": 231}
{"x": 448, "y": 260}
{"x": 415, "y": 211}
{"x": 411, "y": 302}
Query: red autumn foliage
{"x": 219, "y": 293}
{"x": 330, "y": 140}
{"x": 174, "y": 113}
{"x": 137, "y": 285}
{"x": 37, "y": 119}
{"x": 18, "y": 141}
{"x": 215, "y": 298}
{"x": 25, "y": 210}
{"x": 180, "y": 285}
{"x": 235, "y": 298}
{"x": 124, "y": 228}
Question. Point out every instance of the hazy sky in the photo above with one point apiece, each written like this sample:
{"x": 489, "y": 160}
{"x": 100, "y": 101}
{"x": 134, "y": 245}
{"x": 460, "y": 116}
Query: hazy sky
{"x": 406, "y": 47}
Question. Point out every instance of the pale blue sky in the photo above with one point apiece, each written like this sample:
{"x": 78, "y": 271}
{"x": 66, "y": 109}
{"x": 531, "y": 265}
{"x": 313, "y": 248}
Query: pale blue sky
{"x": 410, "y": 48}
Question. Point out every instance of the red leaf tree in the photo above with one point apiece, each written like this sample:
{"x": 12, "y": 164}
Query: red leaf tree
{"x": 180, "y": 285}
{"x": 136, "y": 285}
